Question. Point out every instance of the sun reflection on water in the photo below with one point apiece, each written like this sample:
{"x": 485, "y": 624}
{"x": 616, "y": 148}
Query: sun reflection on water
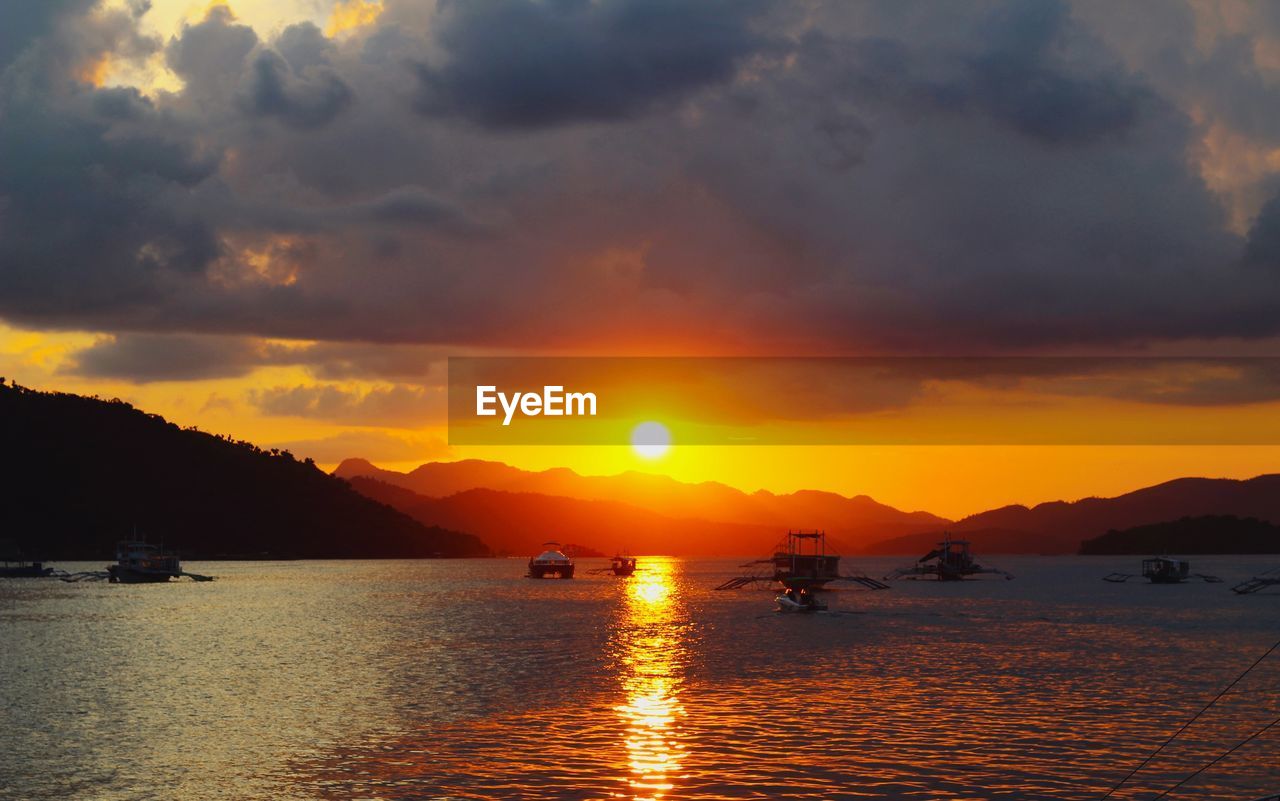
{"x": 650, "y": 657}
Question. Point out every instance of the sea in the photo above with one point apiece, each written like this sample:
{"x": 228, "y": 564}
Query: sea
{"x": 465, "y": 680}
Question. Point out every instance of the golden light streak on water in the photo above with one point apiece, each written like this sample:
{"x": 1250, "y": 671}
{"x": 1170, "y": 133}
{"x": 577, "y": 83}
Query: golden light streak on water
{"x": 651, "y": 660}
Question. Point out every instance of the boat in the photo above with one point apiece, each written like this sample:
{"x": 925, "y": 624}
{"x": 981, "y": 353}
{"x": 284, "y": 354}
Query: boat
{"x": 800, "y": 600}
{"x": 23, "y": 569}
{"x": 622, "y": 565}
{"x": 800, "y": 562}
{"x": 950, "y": 561}
{"x": 140, "y": 562}
{"x": 805, "y": 564}
{"x": 551, "y": 563}
{"x": 1270, "y": 578}
{"x": 13, "y": 565}
{"x": 1163, "y": 570}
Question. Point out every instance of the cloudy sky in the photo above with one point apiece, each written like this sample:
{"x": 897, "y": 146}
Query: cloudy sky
{"x": 275, "y": 219}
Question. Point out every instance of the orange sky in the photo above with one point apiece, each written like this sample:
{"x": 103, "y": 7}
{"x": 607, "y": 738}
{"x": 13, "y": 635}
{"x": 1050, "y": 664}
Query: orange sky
{"x": 946, "y": 480}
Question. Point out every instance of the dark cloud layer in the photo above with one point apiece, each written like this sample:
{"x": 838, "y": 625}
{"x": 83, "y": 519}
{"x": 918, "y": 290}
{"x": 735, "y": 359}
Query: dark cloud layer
{"x": 641, "y": 176}
{"x": 536, "y": 64}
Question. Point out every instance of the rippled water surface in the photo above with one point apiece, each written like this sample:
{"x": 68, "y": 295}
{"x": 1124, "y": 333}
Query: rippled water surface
{"x": 421, "y": 679}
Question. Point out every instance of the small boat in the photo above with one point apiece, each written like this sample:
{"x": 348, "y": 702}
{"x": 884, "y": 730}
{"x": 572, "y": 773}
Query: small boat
{"x": 1163, "y": 570}
{"x": 13, "y": 563}
{"x": 950, "y": 561}
{"x": 142, "y": 563}
{"x": 801, "y": 563}
{"x": 23, "y": 569}
{"x": 801, "y": 600}
{"x": 622, "y": 565}
{"x": 551, "y": 563}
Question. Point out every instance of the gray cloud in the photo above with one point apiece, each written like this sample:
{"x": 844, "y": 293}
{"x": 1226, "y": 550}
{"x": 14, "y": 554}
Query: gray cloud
{"x": 826, "y": 177}
{"x": 564, "y": 62}
{"x": 306, "y": 100}
{"x": 399, "y": 405}
{"x": 143, "y": 358}
{"x": 147, "y": 357}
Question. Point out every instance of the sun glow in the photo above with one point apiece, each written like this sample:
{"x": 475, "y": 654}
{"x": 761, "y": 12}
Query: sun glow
{"x": 650, "y": 440}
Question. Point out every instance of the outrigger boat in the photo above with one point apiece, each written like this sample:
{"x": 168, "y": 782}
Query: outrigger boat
{"x": 622, "y": 565}
{"x": 1271, "y": 578}
{"x": 14, "y": 565}
{"x": 23, "y": 569}
{"x": 142, "y": 563}
{"x": 802, "y": 561}
{"x": 551, "y": 563}
{"x": 1163, "y": 570}
{"x": 804, "y": 569}
{"x": 950, "y": 561}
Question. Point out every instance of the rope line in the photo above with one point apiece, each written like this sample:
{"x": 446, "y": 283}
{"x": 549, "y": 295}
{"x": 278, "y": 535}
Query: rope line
{"x": 1187, "y": 725}
{"x": 1221, "y": 757}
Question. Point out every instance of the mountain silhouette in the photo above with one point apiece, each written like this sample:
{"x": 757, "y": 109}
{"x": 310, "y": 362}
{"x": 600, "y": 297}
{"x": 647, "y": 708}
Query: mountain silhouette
{"x": 516, "y": 523}
{"x": 1060, "y": 527}
{"x": 631, "y": 502}
{"x": 711, "y": 518}
{"x": 82, "y": 473}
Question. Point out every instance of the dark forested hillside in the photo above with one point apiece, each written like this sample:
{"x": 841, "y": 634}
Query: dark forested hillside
{"x": 80, "y": 473}
{"x": 1190, "y": 535}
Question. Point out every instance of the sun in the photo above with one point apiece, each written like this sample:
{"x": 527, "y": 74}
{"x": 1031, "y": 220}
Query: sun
{"x": 650, "y": 440}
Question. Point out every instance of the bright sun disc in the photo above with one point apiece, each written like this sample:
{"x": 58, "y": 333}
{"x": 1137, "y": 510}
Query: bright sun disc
{"x": 650, "y": 440}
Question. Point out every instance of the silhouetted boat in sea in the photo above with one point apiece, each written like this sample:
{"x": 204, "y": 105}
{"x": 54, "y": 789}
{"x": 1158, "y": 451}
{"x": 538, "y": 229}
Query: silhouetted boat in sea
{"x": 1163, "y": 570}
{"x": 1270, "y": 578}
{"x": 950, "y": 561}
{"x": 622, "y": 565}
{"x": 551, "y": 563}
{"x": 23, "y": 569}
{"x": 142, "y": 563}
{"x": 13, "y": 565}
{"x": 800, "y": 600}
{"x": 800, "y": 562}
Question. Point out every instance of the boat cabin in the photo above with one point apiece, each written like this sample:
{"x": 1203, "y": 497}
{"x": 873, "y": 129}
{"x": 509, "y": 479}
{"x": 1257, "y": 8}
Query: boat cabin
{"x": 1165, "y": 570}
{"x": 551, "y": 563}
{"x": 805, "y": 563}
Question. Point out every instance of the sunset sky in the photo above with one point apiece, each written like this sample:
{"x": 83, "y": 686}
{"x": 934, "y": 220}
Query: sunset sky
{"x": 277, "y": 220}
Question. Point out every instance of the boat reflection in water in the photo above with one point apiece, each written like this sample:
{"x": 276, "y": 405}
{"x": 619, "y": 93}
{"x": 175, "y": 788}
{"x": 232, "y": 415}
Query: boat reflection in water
{"x": 650, "y": 657}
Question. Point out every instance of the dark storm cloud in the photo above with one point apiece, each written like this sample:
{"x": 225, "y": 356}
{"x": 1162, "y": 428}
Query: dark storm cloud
{"x": 818, "y": 177}
{"x": 24, "y": 22}
{"x": 302, "y": 101}
{"x": 143, "y": 358}
{"x": 96, "y": 201}
{"x": 536, "y": 63}
{"x": 210, "y": 54}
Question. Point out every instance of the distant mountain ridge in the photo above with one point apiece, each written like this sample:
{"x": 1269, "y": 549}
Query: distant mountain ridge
{"x": 82, "y": 473}
{"x": 857, "y": 524}
{"x": 851, "y": 522}
{"x": 516, "y": 523}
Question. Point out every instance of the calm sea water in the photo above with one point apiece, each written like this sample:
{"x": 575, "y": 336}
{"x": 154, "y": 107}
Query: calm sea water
{"x": 421, "y": 680}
